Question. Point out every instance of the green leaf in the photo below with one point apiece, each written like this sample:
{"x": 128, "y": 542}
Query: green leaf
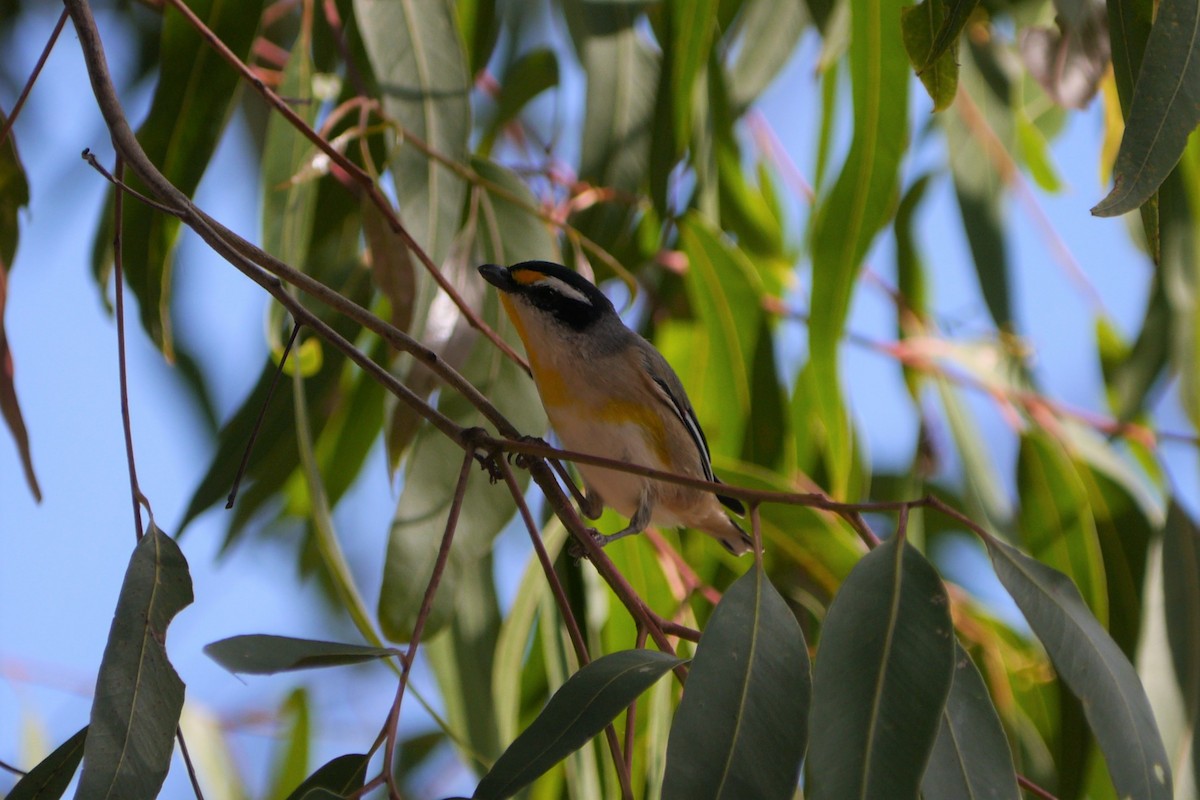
{"x": 622, "y": 81}
{"x": 192, "y": 103}
{"x": 884, "y": 667}
{"x": 139, "y": 696}
{"x": 434, "y": 461}
{"x": 50, "y": 778}
{"x": 1056, "y": 520}
{"x": 957, "y": 14}
{"x": 920, "y": 24}
{"x": 10, "y": 407}
{"x": 982, "y": 487}
{"x": 288, "y": 180}
{"x": 291, "y": 761}
{"x": 757, "y": 46}
{"x": 1132, "y": 378}
{"x": 971, "y": 759}
{"x": 264, "y": 654}
{"x": 858, "y": 206}
{"x": 1164, "y": 111}
{"x": 1181, "y": 589}
{"x": 691, "y": 34}
{"x": 740, "y": 729}
{"x": 417, "y": 56}
{"x": 1179, "y": 221}
{"x": 338, "y": 778}
{"x": 14, "y": 195}
{"x": 527, "y": 77}
{"x": 1095, "y": 670}
{"x": 580, "y": 709}
{"x": 480, "y": 29}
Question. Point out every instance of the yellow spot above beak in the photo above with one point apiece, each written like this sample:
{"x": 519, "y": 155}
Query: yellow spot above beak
{"x": 526, "y": 277}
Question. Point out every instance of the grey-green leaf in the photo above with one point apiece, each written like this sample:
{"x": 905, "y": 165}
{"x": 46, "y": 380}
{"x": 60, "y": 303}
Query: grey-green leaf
{"x": 264, "y": 654}
{"x": 1164, "y": 111}
{"x": 138, "y": 694}
{"x": 1181, "y": 587}
{"x": 50, "y": 778}
{"x": 340, "y": 777}
{"x": 970, "y": 759}
{"x": 883, "y": 670}
{"x": 417, "y": 55}
{"x": 1094, "y": 669}
{"x": 740, "y": 730}
{"x": 580, "y": 709}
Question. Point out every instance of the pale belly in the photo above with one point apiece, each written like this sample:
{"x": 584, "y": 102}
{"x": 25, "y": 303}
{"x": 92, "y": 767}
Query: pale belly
{"x": 623, "y": 442}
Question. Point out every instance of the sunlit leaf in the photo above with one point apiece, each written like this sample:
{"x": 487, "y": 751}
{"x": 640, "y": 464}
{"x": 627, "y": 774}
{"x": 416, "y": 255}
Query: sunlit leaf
{"x": 580, "y": 709}
{"x": 1056, "y": 522}
{"x": 139, "y": 696}
{"x": 51, "y": 777}
{"x": 921, "y": 24}
{"x": 971, "y": 759}
{"x": 195, "y": 91}
{"x": 291, "y": 761}
{"x": 762, "y": 38}
{"x": 860, "y": 203}
{"x": 884, "y": 667}
{"x": 740, "y": 730}
{"x": 417, "y": 56}
{"x": 1095, "y": 670}
{"x": 264, "y": 654}
{"x": 1165, "y": 108}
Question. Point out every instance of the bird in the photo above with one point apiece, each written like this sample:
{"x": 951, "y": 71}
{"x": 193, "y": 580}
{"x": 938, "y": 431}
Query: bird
{"x": 608, "y": 392}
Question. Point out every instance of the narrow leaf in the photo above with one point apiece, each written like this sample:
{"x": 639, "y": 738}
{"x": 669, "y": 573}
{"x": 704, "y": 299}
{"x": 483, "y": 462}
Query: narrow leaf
{"x": 527, "y": 77}
{"x": 971, "y": 759}
{"x": 50, "y": 778}
{"x": 884, "y": 668}
{"x": 580, "y": 709}
{"x": 1095, "y": 670}
{"x": 1181, "y": 588}
{"x": 740, "y": 730}
{"x": 417, "y": 55}
{"x": 14, "y": 195}
{"x": 10, "y": 407}
{"x": 139, "y": 696}
{"x": 340, "y": 777}
{"x": 264, "y": 654}
{"x": 196, "y": 89}
{"x": 957, "y": 14}
{"x": 858, "y": 206}
{"x": 763, "y": 37}
{"x": 692, "y": 23}
{"x": 1164, "y": 111}
{"x": 920, "y": 24}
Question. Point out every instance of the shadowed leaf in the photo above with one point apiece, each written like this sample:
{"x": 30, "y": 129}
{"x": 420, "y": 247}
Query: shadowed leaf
{"x": 884, "y": 667}
{"x": 740, "y": 729}
{"x": 1165, "y": 108}
{"x": 264, "y": 654}
{"x": 580, "y": 709}
{"x": 957, "y": 14}
{"x": 920, "y": 24}
{"x": 340, "y": 777}
{"x": 50, "y": 778}
{"x": 1181, "y": 587}
{"x": 139, "y": 696}
{"x": 196, "y": 89}
{"x": 971, "y": 759}
{"x": 1095, "y": 670}
{"x": 527, "y": 77}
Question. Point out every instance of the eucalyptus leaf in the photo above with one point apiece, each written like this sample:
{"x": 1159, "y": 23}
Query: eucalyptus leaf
{"x": 139, "y": 696}
{"x": 1094, "y": 668}
{"x": 578, "y": 711}
{"x": 336, "y": 779}
{"x": 264, "y": 654}
{"x": 52, "y": 775}
{"x": 740, "y": 730}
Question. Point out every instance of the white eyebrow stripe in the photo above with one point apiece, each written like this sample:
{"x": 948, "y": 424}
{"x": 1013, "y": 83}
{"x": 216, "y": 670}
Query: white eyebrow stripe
{"x": 565, "y": 289}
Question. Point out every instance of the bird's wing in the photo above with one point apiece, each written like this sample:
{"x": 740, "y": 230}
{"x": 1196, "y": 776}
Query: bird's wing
{"x": 669, "y": 389}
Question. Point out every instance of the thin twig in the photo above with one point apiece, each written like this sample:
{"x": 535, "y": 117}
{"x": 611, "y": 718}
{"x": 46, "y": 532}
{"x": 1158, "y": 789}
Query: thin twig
{"x": 135, "y": 490}
{"x": 564, "y": 608}
{"x": 187, "y": 762}
{"x": 262, "y": 412}
{"x": 33, "y": 76}
{"x": 1033, "y": 788}
{"x": 4, "y": 765}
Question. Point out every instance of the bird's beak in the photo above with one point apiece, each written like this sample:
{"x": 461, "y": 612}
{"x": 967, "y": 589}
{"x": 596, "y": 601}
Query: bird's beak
{"x": 498, "y": 276}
